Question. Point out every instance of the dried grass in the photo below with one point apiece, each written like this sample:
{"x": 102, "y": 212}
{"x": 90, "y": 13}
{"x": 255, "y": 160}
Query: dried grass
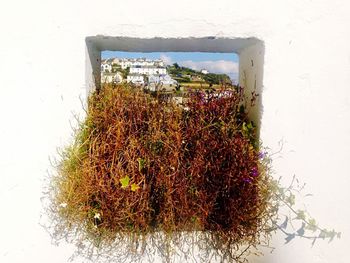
{"x": 145, "y": 176}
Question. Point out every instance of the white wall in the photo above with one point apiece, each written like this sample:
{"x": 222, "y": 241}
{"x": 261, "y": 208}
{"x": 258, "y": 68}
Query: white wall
{"x": 306, "y": 100}
{"x": 251, "y": 73}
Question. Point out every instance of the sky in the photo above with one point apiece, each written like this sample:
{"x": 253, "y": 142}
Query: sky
{"x": 214, "y": 62}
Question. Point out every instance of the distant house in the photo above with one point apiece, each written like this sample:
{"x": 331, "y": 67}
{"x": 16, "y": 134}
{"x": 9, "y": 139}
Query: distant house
{"x": 148, "y": 70}
{"x": 125, "y": 63}
{"x": 107, "y": 77}
{"x": 133, "y": 62}
{"x": 160, "y": 82}
{"x": 167, "y": 80}
{"x": 118, "y": 77}
{"x": 143, "y": 62}
{"x": 106, "y": 67}
{"x": 136, "y": 78}
{"x": 204, "y": 71}
{"x": 159, "y": 63}
{"x": 138, "y": 68}
{"x": 116, "y": 61}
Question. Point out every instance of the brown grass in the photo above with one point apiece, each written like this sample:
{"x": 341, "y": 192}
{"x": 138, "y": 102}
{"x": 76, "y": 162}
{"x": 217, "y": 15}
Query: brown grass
{"x": 143, "y": 171}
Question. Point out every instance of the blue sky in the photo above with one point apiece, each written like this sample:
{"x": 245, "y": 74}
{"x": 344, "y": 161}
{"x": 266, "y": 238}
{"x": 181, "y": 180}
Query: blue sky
{"x": 214, "y": 62}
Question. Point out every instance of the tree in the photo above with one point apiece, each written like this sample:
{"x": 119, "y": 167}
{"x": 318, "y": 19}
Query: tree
{"x": 125, "y": 72}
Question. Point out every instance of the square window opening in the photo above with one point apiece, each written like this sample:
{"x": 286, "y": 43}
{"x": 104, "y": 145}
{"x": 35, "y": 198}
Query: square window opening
{"x": 250, "y": 53}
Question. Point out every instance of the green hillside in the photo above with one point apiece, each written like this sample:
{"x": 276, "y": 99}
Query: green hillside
{"x": 188, "y": 75}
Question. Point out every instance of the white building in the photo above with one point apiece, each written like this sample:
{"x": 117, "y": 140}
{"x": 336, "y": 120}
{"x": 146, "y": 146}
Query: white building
{"x": 160, "y": 82}
{"x": 125, "y": 63}
{"x": 161, "y": 79}
{"x": 116, "y": 61}
{"x": 140, "y": 66}
{"x": 132, "y": 62}
{"x": 148, "y": 70}
{"x": 204, "y": 71}
{"x": 159, "y": 62}
{"x": 106, "y": 67}
{"x": 135, "y": 78}
{"x": 111, "y": 77}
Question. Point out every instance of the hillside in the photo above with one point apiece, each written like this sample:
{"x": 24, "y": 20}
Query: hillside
{"x": 188, "y": 75}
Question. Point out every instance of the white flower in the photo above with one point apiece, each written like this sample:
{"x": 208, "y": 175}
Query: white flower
{"x": 64, "y": 205}
{"x": 97, "y": 216}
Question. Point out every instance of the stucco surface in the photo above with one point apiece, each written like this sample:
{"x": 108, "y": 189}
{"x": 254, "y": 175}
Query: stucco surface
{"x": 305, "y": 99}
